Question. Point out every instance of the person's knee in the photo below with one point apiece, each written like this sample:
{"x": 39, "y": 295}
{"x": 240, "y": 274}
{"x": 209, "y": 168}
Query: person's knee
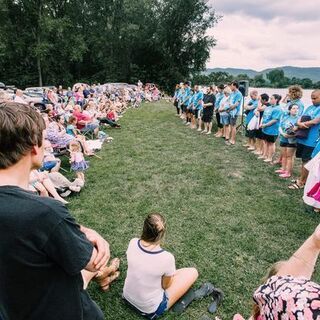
{"x": 194, "y": 273}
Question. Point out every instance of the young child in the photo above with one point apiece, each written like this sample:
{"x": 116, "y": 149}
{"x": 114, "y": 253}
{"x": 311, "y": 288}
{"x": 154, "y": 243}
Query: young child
{"x": 78, "y": 163}
{"x": 153, "y": 285}
{"x": 50, "y": 162}
{"x": 249, "y": 110}
{"x": 288, "y": 142}
{"x": 270, "y": 127}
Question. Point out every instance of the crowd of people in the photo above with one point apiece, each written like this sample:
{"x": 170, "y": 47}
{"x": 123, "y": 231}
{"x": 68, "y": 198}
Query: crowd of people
{"x": 267, "y": 119}
{"x": 48, "y": 260}
{"x": 76, "y": 121}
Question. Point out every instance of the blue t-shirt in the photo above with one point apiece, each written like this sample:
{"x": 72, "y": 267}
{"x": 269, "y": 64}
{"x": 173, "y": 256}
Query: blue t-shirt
{"x": 316, "y": 149}
{"x": 272, "y": 112}
{"x": 287, "y": 121}
{"x": 250, "y": 115}
{"x": 198, "y": 96}
{"x": 236, "y": 97}
{"x": 70, "y": 129}
{"x": 311, "y": 141}
{"x": 299, "y": 103}
{"x": 219, "y": 97}
{"x": 186, "y": 96}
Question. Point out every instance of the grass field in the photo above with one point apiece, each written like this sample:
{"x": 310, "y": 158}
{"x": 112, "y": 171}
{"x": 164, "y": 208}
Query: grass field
{"x": 228, "y": 214}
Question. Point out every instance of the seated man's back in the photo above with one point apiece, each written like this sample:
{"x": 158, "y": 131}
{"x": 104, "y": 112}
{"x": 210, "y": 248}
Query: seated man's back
{"x": 42, "y": 252}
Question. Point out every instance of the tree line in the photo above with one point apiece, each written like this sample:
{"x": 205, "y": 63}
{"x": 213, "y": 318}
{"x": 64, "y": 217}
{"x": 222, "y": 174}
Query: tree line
{"x": 273, "y": 79}
{"x": 49, "y": 42}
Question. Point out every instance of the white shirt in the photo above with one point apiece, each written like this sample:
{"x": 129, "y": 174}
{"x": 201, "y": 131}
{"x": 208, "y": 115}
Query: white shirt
{"x": 143, "y": 284}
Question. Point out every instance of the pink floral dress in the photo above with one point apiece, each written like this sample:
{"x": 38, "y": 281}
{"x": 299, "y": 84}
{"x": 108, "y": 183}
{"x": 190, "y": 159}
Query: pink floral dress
{"x": 288, "y": 298}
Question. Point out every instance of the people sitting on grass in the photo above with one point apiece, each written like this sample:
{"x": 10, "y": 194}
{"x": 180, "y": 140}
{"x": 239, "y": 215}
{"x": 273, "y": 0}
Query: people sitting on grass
{"x": 47, "y": 259}
{"x": 85, "y": 123}
{"x": 153, "y": 284}
{"x": 288, "y": 291}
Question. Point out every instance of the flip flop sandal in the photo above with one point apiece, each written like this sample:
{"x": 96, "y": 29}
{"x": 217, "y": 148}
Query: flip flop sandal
{"x": 184, "y": 302}
{"x": 205, "y": 290}
{"x": 295, "y": 186}
{"x": 217, "y": 296}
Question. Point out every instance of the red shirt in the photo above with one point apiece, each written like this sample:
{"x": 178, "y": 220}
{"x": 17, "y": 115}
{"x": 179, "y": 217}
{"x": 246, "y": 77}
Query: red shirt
{"x": 80, "y": 117}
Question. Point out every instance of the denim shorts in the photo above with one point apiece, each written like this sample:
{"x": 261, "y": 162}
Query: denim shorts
{"x": 225, "y": 119}
{"x": 163, "y": 307}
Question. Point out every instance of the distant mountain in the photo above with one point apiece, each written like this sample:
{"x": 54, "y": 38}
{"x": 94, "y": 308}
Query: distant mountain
{"x": 290, "y": 72}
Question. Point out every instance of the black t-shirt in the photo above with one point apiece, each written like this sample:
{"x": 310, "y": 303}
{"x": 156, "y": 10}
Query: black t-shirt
{"x": 42, "y": 252}
{"x": 209, "y": 98}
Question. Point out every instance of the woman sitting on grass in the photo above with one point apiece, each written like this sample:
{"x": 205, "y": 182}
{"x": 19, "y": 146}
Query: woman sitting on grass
{"x": 153, "y": 285}
{"x": 289, "y": 293}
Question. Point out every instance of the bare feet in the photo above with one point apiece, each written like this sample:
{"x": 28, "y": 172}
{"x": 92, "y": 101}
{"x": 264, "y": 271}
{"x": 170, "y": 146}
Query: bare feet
{"x": 108, "y": 274}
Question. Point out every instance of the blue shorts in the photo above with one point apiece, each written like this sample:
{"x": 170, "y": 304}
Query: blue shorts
{"x": 47, "y": 166}
{"x": 163, "y": 307}
{"x": 90, "y": 127}
{"x": 225, "y": 119}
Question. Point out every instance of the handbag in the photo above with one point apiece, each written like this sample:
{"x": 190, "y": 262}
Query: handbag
{"x": 303, "y": 133}
{"x": 254, "y": 123}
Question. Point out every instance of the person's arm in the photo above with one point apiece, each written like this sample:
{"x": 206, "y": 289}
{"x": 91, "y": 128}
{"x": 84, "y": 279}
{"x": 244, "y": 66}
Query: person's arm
{"x": 166, "y": 282}
{"x": 312, "y": 123}
{"x": 102, "y": 248}
{"x": 302, "y": 262}
{"x": 269, "y": 124}
{"x": 234, "y": 106}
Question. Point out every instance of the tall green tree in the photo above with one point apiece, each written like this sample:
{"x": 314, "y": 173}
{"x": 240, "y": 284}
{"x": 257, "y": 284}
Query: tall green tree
{"x": 65, "y": 41}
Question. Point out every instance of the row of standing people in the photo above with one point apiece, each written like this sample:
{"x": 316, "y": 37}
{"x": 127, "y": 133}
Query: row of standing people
{"x": 270, "y": 122}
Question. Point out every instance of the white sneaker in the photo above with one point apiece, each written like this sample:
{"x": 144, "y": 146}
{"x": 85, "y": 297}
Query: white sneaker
{"x": 188, "y": 124}
{"x": 199, "y": 130}
{"x": 204, "y": 131}
{"x": 209, "y": 132}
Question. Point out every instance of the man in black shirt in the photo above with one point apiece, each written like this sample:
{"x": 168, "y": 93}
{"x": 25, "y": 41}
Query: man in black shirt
{"x": 46, "y": 258}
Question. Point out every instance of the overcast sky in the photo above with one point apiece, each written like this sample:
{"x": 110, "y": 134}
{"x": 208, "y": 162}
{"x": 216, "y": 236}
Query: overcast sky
{"x": 258, "y": 34}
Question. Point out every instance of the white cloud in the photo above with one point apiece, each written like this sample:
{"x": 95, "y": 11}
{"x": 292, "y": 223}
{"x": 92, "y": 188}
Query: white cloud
{"x": 287, "y": 37}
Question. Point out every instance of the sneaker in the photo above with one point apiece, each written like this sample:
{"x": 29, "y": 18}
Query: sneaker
{"x": 204, "y": 131}
{"x": 188, "y": 124}
{"x": 227, "y": 142}
{"x": 199, "y": 130}
{"x": 209, "y": 132}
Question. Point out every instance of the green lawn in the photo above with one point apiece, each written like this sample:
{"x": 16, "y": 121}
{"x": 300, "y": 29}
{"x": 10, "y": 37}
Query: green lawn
{"x": 228, "y": 214}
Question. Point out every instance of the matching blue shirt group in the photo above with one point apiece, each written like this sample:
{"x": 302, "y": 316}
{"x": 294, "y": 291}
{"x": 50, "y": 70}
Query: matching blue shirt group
{"x": 311, "y": 141}
{"x": 272, "y": 112}
{"x": 287, "y": 121}
{"x": 236, "y": 98}
{"x": 254, "y": 104}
